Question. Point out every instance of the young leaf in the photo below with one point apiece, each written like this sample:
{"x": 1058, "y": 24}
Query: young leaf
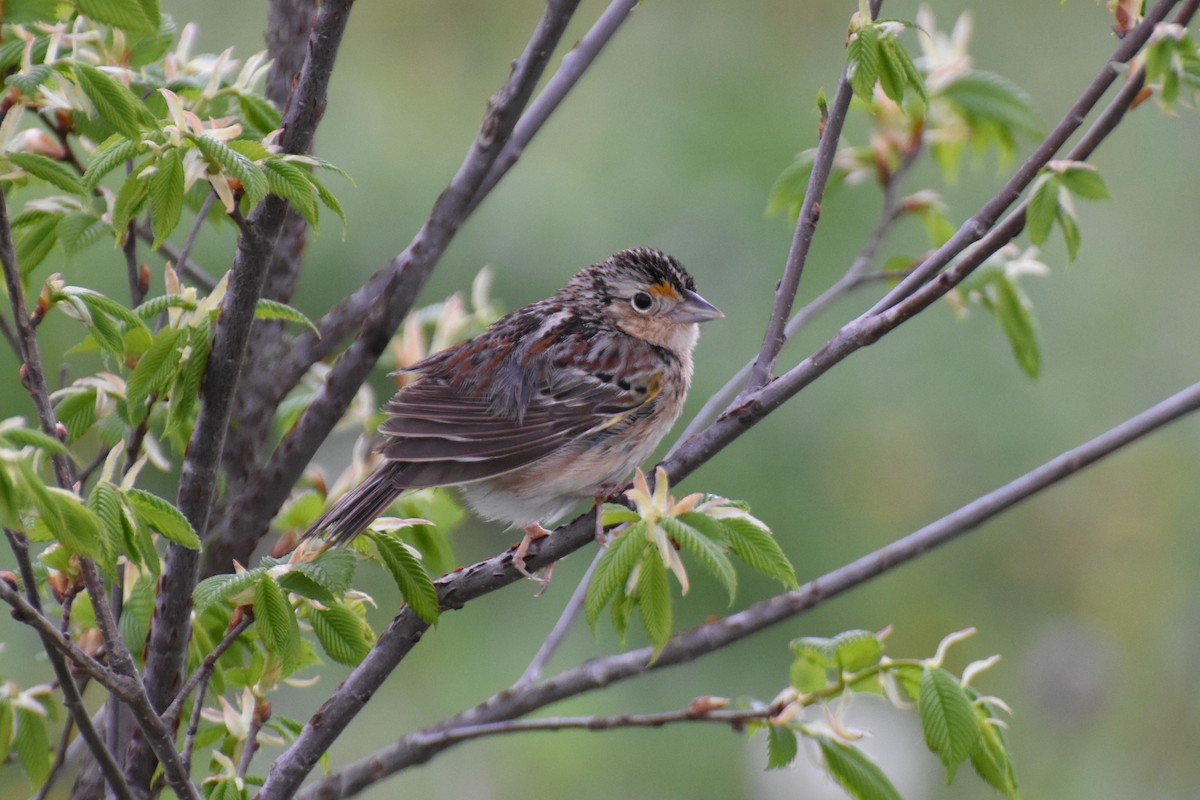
{"x": 618, "y": 561}
{"x": 136, "y": 612}
{"x": 1012, "y": 311}
{"x": 758, "y": 548}
{"x": 864, "y": 57}
{"x": 32, "y": 745}
{"x": 290, "y": 182}
{"x": 276, "y": 622}
{"x": 1043, "y": 204}
{"x": 1070, "y": 232}
{"x": 1083, "y": 180}
{"x": 988, "y": 97}
{"x": 49, "y": 170}
{"x": 7, "y": 728}
{"x": 781, "y": 746}
{"x": 857, "y": 650}
{"x": 709, "y": 554}
{"x": 166, "y": 195}
{"x": 115, "y": 150}
{"x": 947, "y": 718}
{"x": 131, "y": 197}
{"x": 273, "y": 309}
{"x": 36, "y": 242}
{"x": 155, "y": 512}
{"x": 219, "y": 588}
{"x": 258, "y": 113}
{"x": 342, "y": 635}
{"x": 653, "y": 597}
{"x": 153, "y": 372}
{"x": 410, "y": 576}
{"x": 254, "y": 182}
{"x": 857, "y": 774}
{"x": 77, "y": 411}
{"x": 77, "y": 230}
{"x": 990, "y": 757}
{"x": 119, "y": 14}
{"x": 28, "y": 437}
{"x": 115, "y": 103}
{"x": 333, "y": 570}
{"x": 72, "y": 524}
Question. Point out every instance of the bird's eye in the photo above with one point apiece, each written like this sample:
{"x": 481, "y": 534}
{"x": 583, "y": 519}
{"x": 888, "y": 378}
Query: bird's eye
{"x": 642, "y": 302}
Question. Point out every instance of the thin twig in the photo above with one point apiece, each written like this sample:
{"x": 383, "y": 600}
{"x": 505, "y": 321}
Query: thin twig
{"x": 685, "y": 647}
{"x": 852, "y": 279}
{"x": 733, "y": 718}
{"x": 132, "y": 270}
{"x": 201, "y": 216}
{"x": 562, "y": 627}
{"x": 185, "y": 266}
{"x": 56, "y": 644}
{"x": 200, "y": 677}
{"x": 806, "y": 226}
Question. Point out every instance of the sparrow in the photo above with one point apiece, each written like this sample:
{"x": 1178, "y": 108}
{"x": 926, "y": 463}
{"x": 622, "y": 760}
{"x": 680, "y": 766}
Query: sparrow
{"x": 554, "y": 403}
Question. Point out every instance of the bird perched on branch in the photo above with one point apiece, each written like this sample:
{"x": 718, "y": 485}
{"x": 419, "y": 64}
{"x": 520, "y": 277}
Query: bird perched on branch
{"x": 554, "y": 403}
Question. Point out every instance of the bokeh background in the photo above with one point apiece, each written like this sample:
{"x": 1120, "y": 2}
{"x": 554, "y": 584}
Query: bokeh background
{"x": 1090, "y": 592}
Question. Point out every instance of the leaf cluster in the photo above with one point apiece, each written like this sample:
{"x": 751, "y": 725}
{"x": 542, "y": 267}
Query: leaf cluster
{"x": 958, "y": 723}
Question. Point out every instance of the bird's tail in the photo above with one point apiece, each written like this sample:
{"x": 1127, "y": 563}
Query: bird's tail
{"x": 357, "y": 509}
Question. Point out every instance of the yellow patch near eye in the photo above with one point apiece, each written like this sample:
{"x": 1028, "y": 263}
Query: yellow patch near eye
{"x": 664, "y": 290}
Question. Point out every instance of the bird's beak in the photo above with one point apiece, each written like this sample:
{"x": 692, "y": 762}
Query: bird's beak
{"x": 694, "y": 308}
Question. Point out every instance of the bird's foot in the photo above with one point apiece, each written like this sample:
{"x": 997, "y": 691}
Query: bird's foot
{"x": 603, "y": 494}
{"x": 532, "y": 534}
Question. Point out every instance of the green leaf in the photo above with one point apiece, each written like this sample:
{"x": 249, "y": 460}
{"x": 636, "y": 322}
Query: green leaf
{"x": 105, "y": 502}
{"x": 131, "y": 197}
{"x": 330, "y": 201}
{"x": 28, "y": 437}
{"x": 7, "y": 729}
{"x": 757, "y": 547}
{"x": 653, "y": 597}
{"x": 234, "y": 164}
{"x": 807, "y": 675}
{"x": 912, "y": 76}
{"x": 100, "y": 304}
{"x": 817, "y": 649}
{"x": 136, "y": 612}
{"x": 1041, "y": 209}
{"x": 115, "y": 103}
{"x": 185, "y": 394}
{"x": 77, "y": 230}
{"x": 410, "y": 576}
{"x": 119, "y": 14}
{"x": 947, "y": 718}
{"x": 858, "y": 775}
{"x": 342, "y": 634}
{"x": 990, "y": 757}
{"x": 709, "y": 554}
{"x": 891, "y": 75}
{"x": 1083, "y": 180}
{"x": 1012, "y": 311}
{"x": 166, "y": 195}
{"x": 27, "y": 83}
{"x": 35, "y": 243}
{"x": 781, "y": 746}
{"x": 77, "y": 411}
{"x": 71, "y": 523}
{"x": 25, "y": 11}
{"x": 49, "y": 170}
{"x": 273, "y": 309}
{"x": 620, "y": 557}
{"x": 32, "y": 745}
{"x": 616, "y": 514}
{"x": 155, "y": 512}
{"x": 333, "y": 570}
{"x": 220, "y": 588}
{"x": 856, "y": 650}
{"x": 1070, "y": 231}
{"x": 290, "y": 182}
{"x": 988, "y": 97}
{"x": 113, "y": 152}
{"x": 864, "y": 57}
{"x": 154, "y": 371}
{"x": 258, "y": 113}
{"x": 276, "y": 622}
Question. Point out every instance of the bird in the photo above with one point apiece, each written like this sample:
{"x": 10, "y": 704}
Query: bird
{"x": 554, "y": 403}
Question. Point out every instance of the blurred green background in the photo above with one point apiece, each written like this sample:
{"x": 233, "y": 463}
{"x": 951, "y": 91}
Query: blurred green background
{"x": 674, "y": 138}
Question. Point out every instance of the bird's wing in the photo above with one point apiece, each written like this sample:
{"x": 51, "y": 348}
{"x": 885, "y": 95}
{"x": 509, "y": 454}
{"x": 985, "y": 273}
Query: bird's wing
{"x": 455, "y": 431}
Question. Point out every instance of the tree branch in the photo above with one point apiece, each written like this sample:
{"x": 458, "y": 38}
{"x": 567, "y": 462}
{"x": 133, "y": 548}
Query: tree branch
{"x": 388, "y": 297}
{"x": 418, "y": 748}
{"x": 198, "y": 480}
{"x": 806, "y": 226}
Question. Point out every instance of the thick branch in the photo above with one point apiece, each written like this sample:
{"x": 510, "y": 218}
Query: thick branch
{"x": 390, "y": 295}
{"x": 198, "y": 481}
